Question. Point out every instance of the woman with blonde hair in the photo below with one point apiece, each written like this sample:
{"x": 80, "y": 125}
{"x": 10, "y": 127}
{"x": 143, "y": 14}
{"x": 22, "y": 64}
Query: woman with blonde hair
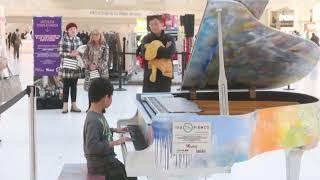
{"x": 96, "y": 58}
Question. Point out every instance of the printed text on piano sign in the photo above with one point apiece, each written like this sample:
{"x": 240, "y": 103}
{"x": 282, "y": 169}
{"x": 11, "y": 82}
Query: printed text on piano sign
{"x": 191, "y": 137}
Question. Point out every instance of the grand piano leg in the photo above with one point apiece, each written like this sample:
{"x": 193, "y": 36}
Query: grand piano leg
{"x": 293, "y": 162}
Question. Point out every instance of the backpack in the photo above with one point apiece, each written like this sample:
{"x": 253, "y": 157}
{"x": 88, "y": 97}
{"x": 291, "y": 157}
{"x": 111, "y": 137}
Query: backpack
{"x": 13, "y": 38}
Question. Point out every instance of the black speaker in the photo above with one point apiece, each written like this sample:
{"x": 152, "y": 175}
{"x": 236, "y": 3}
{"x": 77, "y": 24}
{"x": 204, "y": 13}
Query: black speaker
{"x": 182, "y": 20}
{"x": 188, "y": 21}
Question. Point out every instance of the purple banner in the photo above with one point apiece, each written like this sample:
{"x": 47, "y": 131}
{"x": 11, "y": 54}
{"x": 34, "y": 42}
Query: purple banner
{"x": 47, "y": 34}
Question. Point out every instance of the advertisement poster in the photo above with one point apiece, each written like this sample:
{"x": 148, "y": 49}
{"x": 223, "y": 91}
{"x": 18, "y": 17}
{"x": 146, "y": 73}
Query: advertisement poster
{"x": 47, "y": 35}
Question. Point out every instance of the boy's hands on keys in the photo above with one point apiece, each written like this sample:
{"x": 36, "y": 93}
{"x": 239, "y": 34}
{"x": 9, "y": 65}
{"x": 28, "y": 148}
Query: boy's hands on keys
{"x": 121, "y": 141}
{"x": 121, "y": 130}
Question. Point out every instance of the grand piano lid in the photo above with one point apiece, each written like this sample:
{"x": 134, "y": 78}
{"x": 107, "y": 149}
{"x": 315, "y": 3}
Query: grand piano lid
{"x": 256, "y": 56}
{"x": 256, "y": 7}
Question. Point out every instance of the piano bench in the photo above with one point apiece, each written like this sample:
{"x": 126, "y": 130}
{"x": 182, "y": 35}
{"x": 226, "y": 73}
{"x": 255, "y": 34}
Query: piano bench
{"x": 77, "y": 172}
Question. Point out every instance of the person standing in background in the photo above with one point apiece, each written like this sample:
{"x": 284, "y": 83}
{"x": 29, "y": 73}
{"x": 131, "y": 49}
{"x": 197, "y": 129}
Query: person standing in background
{"x": 79, "y": 35}
{"x": 82, "y": 37}
{"x": 9, "y": 39}
{"x": 87, "y": 37}
{"x": 6, "y": 38}
{"x": 315, "y": 39}
{"x": 162, "y": 83}
{"x": 96, "y": 58}
{"x": 16, "y": 42}
{"x": 295, "y": 32}
{"x": 68, "y": 51}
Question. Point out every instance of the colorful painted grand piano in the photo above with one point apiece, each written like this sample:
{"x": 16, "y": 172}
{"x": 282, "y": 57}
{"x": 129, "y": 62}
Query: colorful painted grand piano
{"x": 183, "y": 134}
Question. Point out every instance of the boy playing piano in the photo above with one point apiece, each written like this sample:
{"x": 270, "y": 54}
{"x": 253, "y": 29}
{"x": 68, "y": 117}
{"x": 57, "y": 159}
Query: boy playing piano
{"x": 98, "y": 140}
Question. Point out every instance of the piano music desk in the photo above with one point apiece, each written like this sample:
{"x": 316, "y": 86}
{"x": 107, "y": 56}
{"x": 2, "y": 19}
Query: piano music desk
{"x": 211, "y": 107}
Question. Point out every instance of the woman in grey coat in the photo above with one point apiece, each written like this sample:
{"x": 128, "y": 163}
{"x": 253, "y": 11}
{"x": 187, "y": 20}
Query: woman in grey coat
{"x": 95, "y": 59}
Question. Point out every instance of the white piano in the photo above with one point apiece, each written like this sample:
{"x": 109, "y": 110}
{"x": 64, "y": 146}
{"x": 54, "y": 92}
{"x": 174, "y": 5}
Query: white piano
{"x": 177, "y": 135}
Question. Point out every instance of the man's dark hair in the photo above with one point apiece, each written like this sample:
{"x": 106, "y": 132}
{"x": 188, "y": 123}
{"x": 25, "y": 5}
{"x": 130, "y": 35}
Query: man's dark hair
{"x": 100, "y": 88}
{"x": 150, "y": 18}
{"x": 158, "y": 17}
{"x": 17, "y": 30}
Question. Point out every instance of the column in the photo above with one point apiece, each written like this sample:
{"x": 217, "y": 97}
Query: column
{"x": 2, "y": 27}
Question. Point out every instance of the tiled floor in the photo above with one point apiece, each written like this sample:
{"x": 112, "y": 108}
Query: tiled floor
{"x": 59, "y": 137}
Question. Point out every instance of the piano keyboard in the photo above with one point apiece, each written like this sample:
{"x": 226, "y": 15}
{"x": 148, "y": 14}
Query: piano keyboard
{"x": 138, "y": 142}
{"x": 137, "y": 137}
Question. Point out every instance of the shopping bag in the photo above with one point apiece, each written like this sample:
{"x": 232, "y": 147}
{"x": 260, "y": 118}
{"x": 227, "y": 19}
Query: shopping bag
{"x": 3, "y": 58}
{"x": 10, "y": 86}
{"x": 70, "y": 64}
{"x": 94, "y": 74}
{"x": 3, "y": 63}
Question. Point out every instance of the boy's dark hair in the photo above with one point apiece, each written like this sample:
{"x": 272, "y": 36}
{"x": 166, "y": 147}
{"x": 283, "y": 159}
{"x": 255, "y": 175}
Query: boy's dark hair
{"x": 100, "y": 88}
